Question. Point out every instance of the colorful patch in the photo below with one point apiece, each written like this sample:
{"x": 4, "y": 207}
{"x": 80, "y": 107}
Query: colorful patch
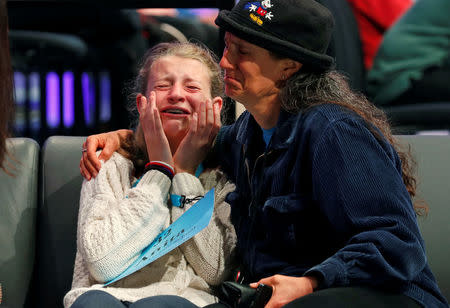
{"x": 259, "y": 11}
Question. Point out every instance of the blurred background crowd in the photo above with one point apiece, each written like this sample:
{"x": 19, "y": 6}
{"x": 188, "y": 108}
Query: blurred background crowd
{"x": 72, "y": 66}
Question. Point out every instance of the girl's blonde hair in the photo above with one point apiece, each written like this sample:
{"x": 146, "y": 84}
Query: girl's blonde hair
{"x": 134, "y": 147}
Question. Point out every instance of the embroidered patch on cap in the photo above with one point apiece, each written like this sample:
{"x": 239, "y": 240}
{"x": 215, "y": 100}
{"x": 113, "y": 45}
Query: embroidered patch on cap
{"x": 259, "y": 11}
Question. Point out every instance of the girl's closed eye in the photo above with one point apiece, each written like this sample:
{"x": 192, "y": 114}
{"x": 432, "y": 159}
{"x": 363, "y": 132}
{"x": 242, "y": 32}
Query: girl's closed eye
{"x": 193, "y": 87}
{"x": 162, "y": 86}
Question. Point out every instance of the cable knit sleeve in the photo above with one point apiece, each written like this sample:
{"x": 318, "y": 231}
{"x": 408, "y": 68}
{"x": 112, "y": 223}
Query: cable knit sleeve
{"x": 211, "y": 251}
{"x": 116, "y": 221}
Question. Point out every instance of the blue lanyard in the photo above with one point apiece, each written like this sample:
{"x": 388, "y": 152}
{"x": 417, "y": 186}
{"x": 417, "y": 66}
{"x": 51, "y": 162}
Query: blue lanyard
{"x": 135, "y": 183}
{"x": 185, "y": 227}
{"x": 180, "y": 201}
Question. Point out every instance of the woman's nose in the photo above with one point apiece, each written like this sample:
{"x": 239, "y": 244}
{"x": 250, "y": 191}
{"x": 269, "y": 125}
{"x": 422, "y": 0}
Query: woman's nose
{"x": 226, "y": 61}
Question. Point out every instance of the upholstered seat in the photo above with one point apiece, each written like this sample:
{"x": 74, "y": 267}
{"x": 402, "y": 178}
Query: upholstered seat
{"x": 57, "y": 215}
{"x": 59, "y": 188}
{"x": 18, "y": 203}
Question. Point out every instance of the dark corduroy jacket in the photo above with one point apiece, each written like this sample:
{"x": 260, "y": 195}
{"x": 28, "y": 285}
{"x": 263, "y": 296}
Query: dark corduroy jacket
{"x": 325, "y": 198}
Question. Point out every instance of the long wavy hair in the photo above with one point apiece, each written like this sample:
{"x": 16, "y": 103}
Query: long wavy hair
{"x": 308, "y": 88}
{"x": 134, "y": 147}
{"x": 6, "y": 85}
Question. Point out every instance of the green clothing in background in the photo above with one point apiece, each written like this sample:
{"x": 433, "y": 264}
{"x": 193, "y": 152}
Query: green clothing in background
{"x": 419, "y": 40}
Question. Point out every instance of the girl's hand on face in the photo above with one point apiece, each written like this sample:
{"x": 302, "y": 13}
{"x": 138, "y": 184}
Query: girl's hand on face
{"x": 286, "y": 288}
{"x": 157, "y": 144}
{"x": 203, "y": 129}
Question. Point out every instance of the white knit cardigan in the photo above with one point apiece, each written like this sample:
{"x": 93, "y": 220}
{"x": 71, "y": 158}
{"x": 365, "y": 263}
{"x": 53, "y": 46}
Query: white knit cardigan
{"x": 116, "y": 221}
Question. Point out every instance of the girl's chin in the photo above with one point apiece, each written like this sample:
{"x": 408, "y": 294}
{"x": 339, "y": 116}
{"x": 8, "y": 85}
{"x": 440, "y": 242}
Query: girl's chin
{"x": 175, "y": 128}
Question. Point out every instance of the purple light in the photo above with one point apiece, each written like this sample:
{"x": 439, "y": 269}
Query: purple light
{"x": 204, "y": 12}
{"x": 20, "y": 84}
{"x": 68, "y": 100}
{"x": 105, "y": 97}
{"x": 88, "y": 90}
{"x": 34, "y": 99}
{"x": 52, "y": 102}
{"x": 20, "y": 99}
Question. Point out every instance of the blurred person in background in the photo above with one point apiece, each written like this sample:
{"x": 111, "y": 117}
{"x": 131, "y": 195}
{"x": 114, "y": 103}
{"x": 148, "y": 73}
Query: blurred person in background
{"x": 374, "y": 18}
{"x": 6, "y": 84}
{"x": 182, "y": 25}
{"x": 413, "y": 62}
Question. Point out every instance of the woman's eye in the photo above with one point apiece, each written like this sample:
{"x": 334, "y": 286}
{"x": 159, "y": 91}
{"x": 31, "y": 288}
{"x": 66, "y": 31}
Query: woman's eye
{"x": 193, "y": 87}
{"x": 242, "y": 52}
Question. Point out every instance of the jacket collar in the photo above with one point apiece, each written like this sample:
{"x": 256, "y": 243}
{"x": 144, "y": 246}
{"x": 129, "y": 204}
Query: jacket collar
{"x": 284, "y": 133}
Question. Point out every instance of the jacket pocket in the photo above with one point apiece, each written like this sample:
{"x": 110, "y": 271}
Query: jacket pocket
{"x": 290, "y": 203}
{"x": 239, "y": 208}
{"x": 282, "y": 219}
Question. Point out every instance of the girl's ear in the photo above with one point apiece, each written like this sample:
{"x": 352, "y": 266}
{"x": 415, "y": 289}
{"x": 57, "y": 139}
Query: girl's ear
{"x": 138, "y": 102}
{"x": 218, "y": 100}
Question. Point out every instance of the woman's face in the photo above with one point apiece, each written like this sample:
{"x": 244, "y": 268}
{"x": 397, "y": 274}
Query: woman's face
{"x": 180, "y": 84}
{"x": 251, "y": 73}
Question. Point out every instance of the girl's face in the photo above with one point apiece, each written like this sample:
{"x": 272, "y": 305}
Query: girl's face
{"x": 181, "y": 84}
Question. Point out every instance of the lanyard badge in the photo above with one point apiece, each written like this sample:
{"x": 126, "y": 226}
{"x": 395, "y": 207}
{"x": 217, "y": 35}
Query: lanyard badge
{"x": 189, "y": 224}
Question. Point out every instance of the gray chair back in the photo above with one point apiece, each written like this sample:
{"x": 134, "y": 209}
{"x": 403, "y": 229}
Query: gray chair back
{"x": 57, "y": 217}
{"x": 432, "y": 154}
{"x": 58, "y": 211}
{"x": 18, "y": 202}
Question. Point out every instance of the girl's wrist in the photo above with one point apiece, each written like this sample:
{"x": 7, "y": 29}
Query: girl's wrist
{"x": 161, "y": 166}
{"x": 186, "y": 170}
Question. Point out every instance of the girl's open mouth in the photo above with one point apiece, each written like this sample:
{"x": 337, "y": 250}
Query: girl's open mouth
{"x": 176, "y": 111}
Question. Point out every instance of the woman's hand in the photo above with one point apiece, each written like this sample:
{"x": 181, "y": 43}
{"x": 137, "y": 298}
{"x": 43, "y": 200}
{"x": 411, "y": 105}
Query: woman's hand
{"x": 286, "y": 288}
{"x": 109, "y": 143}
{"x": 194, "y": 147}
{"x": 158, "y": 147}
